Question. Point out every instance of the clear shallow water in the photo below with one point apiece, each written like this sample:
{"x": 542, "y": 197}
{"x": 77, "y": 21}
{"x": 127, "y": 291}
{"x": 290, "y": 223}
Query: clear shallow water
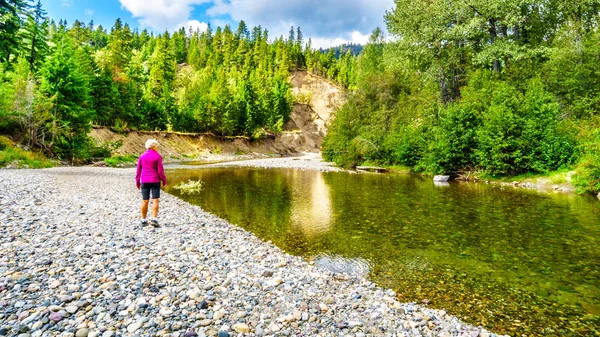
{"x": 514, "y": 261}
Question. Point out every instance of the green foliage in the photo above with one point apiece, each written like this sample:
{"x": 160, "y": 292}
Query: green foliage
{"x": 500, "y": 88}
{"x": 225, "y": 82}
{"x": 520, "y": 132}
{"x": 119, "y": 161}
{"x": 18, "y": 158}
{"x": 304, "y": 97}
{"x": 65, "y": 86}
{"x": 34, "y": 34}
{"x": 587, "y": 177}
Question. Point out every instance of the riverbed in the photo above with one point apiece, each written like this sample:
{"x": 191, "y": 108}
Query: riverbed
{"x": 76, "y": 262}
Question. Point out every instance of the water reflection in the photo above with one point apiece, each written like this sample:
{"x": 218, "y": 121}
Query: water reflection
{"x": 515, "y": 261}
{"x": 311, "y": 204}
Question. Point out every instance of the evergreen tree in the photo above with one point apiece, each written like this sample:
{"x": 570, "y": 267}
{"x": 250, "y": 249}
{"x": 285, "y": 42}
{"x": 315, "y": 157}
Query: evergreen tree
{"x": 64, "y": 85}
{"x": 34, "y": 35}
{"x": 10, "y": 23}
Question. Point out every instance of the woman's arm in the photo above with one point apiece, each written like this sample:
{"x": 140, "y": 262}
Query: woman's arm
{"x": 161, "y": 171}
{"x": 138, "y": 173}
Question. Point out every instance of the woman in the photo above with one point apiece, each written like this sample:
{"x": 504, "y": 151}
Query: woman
{"x": 150, "y": 173}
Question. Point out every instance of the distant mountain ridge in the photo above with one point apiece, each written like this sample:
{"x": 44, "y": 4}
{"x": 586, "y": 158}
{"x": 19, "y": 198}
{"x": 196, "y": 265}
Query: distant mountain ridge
{"x": 340, "y": 50}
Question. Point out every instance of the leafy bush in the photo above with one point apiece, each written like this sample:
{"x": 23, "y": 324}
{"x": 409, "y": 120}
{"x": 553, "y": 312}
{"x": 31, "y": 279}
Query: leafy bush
{"x": 338, "y": 145}
{"x": 304, "y": 97}
{"x": 587, "y": 172}
{"x": 521, "y": 132}
{"x": 451, "y": 144}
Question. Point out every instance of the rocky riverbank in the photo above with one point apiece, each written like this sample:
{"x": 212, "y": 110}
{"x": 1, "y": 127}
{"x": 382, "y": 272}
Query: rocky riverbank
{"x": 75, "y": 262}
{"x": 305, "y": 161}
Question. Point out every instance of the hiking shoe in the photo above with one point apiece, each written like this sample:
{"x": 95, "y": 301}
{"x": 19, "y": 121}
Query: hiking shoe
{"x": 154, "y": 223}
{"x": 144, "y": 222}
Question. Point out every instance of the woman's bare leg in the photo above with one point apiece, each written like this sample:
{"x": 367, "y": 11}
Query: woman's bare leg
{"x": 155, "y": 208}
{"x": 145, "y": 208}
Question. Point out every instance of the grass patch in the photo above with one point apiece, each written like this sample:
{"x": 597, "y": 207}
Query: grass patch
{"x": 118, "y": 161}
{"x": 398, "y": 169}
{"x": 555, "y": 177}
{"x": 13, "y": 156}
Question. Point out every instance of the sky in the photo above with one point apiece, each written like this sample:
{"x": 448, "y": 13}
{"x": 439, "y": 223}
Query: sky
{"x": 326, "y": 22}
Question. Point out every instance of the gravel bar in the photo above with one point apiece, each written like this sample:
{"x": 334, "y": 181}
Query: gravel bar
{"x": 305, "y": 161}
{"x": 74, "y": 261}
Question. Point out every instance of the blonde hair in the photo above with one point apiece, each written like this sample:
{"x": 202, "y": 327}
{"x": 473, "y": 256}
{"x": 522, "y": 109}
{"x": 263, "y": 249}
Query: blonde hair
{"x": 151, "y": 143}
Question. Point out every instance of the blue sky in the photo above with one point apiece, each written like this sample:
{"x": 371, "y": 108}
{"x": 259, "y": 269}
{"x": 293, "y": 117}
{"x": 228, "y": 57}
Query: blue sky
{"x": 327, "y": 22}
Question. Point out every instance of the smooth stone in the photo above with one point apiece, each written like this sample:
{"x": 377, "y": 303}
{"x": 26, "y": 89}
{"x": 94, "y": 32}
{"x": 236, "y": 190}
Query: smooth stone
{"x": 23, "y": 315}
{"x": 353, "y": 324}
{"x": 223, "y": 334}
{"x": 205, "y": 322}
{"x": 218, "y": 315}
{"x": 133, "y": 327}
{"x": 274, "y": 282}
{"x": 72, "y": 309}
{"x": 241, "y": 327}
{"x": 55, "y": 317}
{"x": 190, "y": 334}
{"x": 108, "y": 333}
{"x": 82, "y": 332}
{"x": 203, "y": 305}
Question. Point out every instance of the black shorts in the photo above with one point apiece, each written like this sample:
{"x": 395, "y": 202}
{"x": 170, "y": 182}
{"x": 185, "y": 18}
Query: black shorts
{"x": 147, "y": 187}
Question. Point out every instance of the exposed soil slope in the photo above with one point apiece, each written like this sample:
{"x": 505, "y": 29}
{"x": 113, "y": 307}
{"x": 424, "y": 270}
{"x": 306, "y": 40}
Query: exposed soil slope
{"x": 304, "y": 131}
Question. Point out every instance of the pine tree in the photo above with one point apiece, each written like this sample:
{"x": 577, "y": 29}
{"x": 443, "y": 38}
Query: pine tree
{"x": 66, "y": 88}
{"x": 34, "y": 35}
{"x": 120, "y": 45}
{"x": 10, "y": 23}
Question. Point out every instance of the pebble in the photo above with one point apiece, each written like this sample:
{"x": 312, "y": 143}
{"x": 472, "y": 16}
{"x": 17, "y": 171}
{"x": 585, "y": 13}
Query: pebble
{"x": 133, "y": 327}
{"x": 85, "y": 268}
{"x": 241, "y": 328}
{"x": 72, "y": 309}
{"x": 55, "y": 317}
{"x": 82, "y": 333}
{"x": 205, "y": 322}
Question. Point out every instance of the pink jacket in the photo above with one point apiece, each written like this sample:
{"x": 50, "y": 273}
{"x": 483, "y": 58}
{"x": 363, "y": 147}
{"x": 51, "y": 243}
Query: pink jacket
{"x": 150, "y": 169}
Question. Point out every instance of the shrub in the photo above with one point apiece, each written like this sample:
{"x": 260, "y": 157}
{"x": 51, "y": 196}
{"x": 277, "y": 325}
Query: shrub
{"x": 587, "y": 172}
{"x": 16, "y": 157}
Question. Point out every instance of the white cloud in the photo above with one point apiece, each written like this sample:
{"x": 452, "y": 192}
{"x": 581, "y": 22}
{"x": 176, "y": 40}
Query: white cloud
{"x": 89, "y": 11}
{"x": 326, "y": 22}
{"x": 66, "y": 3}
{"x": 161, "y": 14}
{"x": 355, "y": 37}
{"x": 195, "y": 25}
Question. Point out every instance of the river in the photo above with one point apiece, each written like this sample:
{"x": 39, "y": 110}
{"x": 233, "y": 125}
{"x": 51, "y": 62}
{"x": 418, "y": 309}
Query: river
{"x": 512, "y": 260}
